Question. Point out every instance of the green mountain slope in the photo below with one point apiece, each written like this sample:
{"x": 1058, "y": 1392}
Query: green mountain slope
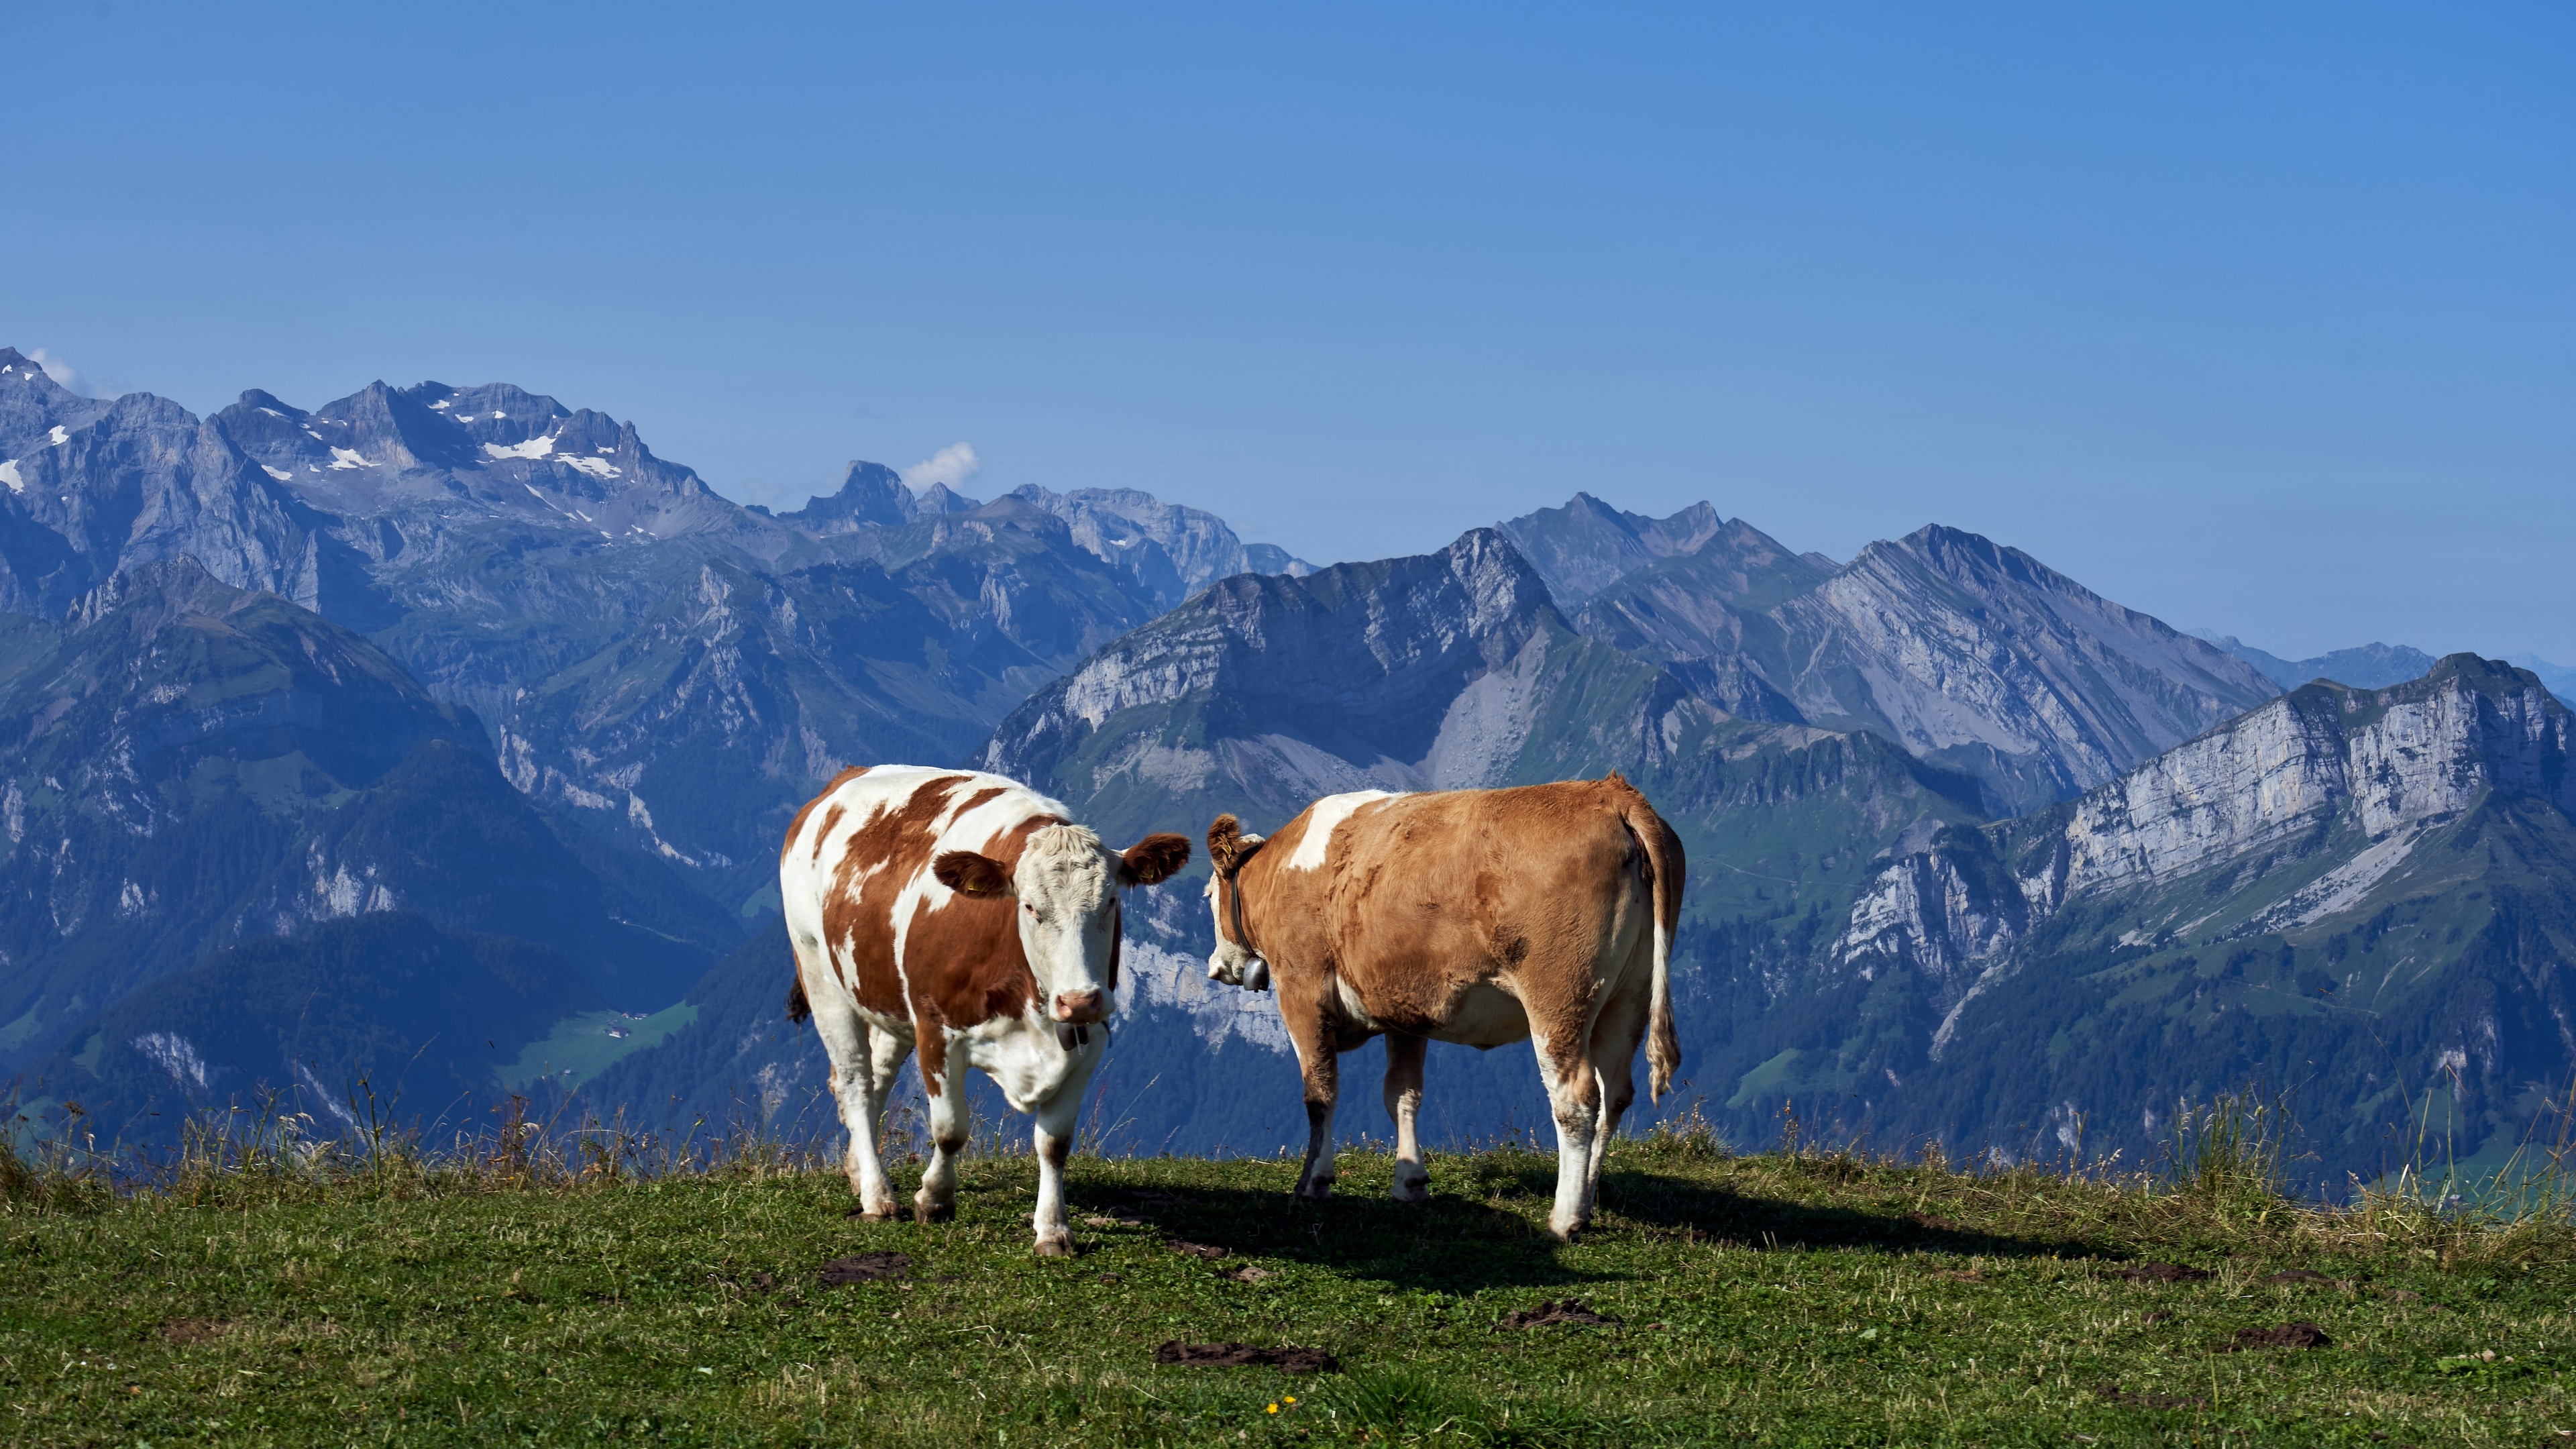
{"x": 196, "y": 766}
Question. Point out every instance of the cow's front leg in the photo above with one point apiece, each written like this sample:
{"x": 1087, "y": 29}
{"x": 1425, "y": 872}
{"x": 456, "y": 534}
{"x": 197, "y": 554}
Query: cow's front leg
{"x": 943, "y": 1077}
{"x": 1320, "y": 1064}
{"x": 1404, "y": 1054}
{"x": 1057, "y": 1118}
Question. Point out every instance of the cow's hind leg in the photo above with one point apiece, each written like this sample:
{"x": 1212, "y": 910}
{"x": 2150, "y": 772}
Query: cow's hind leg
{"x": 1574, "y": 1099}
{"x": 1614, "y": 1053}
{"x": 1404, "y": 1054}
{"x": 1056, "y": 1121}
{"x": 865, "y": 1059}
{"x": 944, "y": 1078}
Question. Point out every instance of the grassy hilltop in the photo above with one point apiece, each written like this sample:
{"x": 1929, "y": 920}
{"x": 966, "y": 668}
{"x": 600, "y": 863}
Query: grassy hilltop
{"x": 1791, "y": 1298}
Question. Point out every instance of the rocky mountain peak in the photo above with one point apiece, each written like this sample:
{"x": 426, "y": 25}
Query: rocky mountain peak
{"x": 168, "y": 588}
{"x": 871, "y": 494}
{"x": 1585, "y": 545}
{"x": 36, "y": 411}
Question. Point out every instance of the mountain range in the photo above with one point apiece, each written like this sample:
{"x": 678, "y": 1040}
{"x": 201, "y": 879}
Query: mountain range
{"x": 437, "y": 737}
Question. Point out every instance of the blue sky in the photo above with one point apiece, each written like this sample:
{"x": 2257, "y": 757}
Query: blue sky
{"x": 2256, "y": 316}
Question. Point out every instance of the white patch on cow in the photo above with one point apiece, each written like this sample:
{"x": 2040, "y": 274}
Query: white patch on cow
{"x": 1323, "y": 818}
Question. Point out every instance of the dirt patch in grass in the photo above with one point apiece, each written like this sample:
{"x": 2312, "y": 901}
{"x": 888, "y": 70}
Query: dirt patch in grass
{"x": 1189, "y": 1249}
{"x": 1248, "y": 1274}
{"x": 2288, "y": 1335}
{"x": 1244, "y": 1355}
{"x": 866, "y": 1268}
{"x": 1569, "y": 1310}
{"x": 194, "y": 1330}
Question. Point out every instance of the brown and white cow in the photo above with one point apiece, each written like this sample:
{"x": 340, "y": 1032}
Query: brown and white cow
{"x": 1475, "y": 916}
{"x": 965, "y": 916}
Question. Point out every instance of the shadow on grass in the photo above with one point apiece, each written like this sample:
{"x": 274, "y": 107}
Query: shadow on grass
{"x": 1762, "y": 1222}
{"x": 1451, "y": 1244}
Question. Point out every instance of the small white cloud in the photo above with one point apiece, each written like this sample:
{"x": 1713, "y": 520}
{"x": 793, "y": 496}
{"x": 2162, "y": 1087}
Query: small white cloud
{"x": 951, "y": 465}
{"x": 63, "y": 373}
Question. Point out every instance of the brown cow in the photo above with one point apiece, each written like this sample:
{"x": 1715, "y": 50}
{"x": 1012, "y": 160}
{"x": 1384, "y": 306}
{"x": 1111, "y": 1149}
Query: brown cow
{"x": 1475, "y": 916}
{"x": 965, "y": 916}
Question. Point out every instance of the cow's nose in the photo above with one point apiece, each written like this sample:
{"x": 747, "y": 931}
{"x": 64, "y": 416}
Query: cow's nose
{"x": 1080, "y": 1006}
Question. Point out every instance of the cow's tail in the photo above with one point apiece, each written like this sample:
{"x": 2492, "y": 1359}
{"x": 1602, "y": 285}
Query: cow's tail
{"x": 798, "y": 1008}
{"x": 1666, "y": 870}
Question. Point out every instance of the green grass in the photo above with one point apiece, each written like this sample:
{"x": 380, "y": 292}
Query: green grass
{"x": 1807, "y": 1299}
{"x": 580, "y": 1047}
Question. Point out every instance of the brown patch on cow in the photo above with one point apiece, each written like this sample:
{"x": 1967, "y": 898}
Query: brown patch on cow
{"x": 823, "y": 832}
{"x": 1189, "y": 1249}
{"x": 1556, "y": 1311}
{"x": 2117, "y": 1395}
{"x": 194, "y": 1330}
{"x": 2288, "y": 1335}
{"x": 866, "y": 1268}
{"x": 1244, "y": 1355}
{"x": 2160, "y": 1273}
{"x": 858, "y": 916}
{"x": 1154, "y": 859}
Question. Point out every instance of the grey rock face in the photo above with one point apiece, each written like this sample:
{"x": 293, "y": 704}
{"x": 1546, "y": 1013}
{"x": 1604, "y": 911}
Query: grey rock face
{"x": 1171, "y": 550}
{"x": 141, "y": 480}
{"x": 1980, "y": 656}
{"x": 2274, "y": 783}
{"x": 1403, "y": 674}
{"x": 33, "y": 406}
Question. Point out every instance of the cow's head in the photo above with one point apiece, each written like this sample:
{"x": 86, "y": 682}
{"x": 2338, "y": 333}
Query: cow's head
{"x": 1234, "y": 961}
{"x": 1066, "y": 887}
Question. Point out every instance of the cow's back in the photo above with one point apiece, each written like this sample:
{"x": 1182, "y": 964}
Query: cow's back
{"x": 855, "y": 880}
{"x": 1421, "y": 894}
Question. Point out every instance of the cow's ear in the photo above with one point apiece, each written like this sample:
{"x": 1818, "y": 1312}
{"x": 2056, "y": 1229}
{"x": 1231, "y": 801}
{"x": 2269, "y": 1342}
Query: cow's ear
{"x": 1154, "y": 859}
{"x": 969, "y": 874}
{"x": 1225, "y": 845}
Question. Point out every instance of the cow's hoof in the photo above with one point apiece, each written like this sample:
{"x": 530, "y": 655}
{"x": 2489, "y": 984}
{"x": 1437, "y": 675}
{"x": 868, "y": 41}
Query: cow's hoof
{"x": 933, "y": 1212}
{"x": 1412, "y": 1191}
{"x": 872, "y": 1214}
{"x": 1055, "y": 1247}
{"x": 1320, "y": 1190}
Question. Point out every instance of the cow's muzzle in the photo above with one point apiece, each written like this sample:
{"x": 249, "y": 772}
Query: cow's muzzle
{"x": 1081, "y": 1007}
